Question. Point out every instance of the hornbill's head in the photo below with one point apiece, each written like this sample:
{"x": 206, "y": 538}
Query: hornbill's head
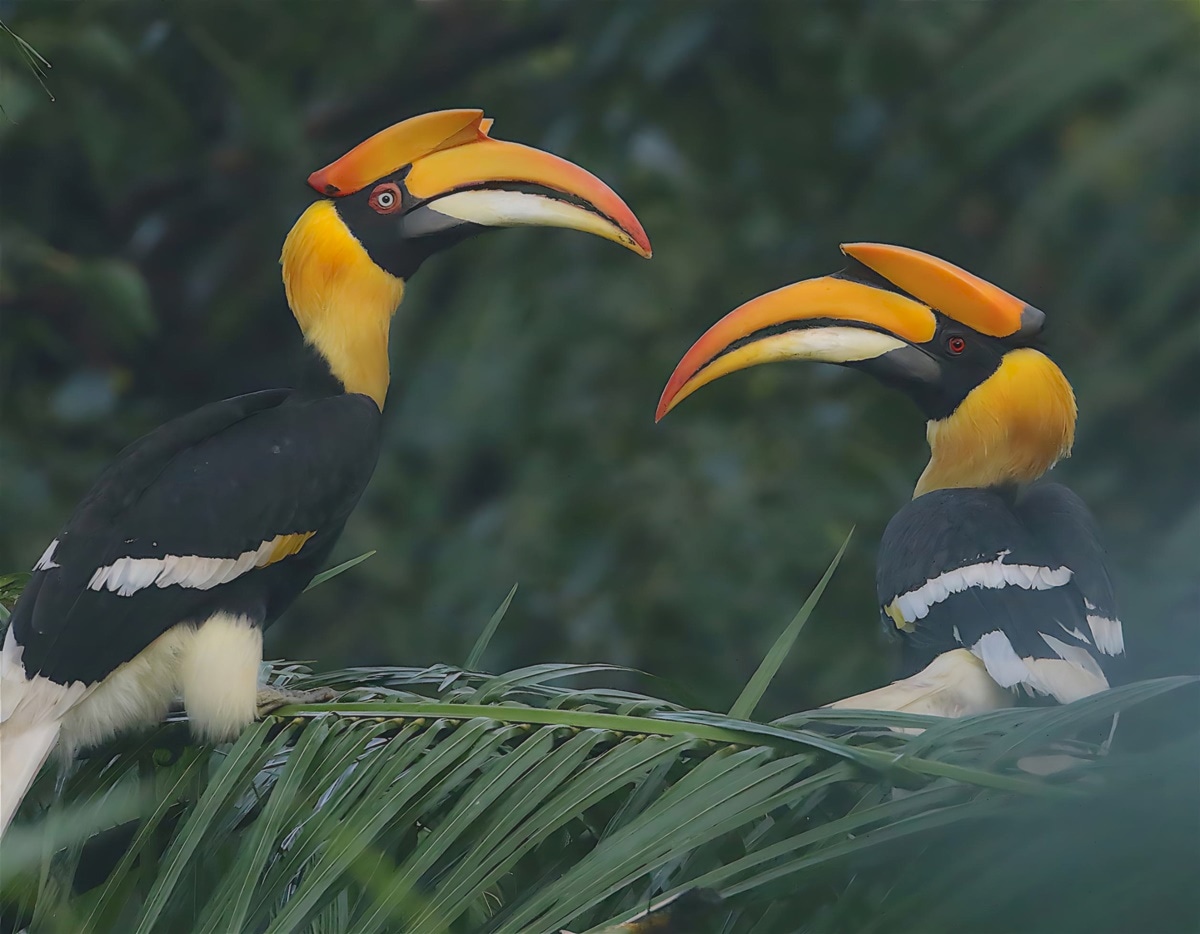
{"x": 409, "y": 191}
{"x": 999, "y": 410}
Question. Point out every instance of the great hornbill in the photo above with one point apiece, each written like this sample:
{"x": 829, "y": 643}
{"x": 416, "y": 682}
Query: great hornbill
{"x": 993, "y": 578}
{"x": 202, "y": 532}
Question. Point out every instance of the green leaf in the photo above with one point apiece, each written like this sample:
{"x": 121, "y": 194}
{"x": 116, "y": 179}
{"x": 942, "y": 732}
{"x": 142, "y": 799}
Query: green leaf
{"x": 546, "y": 807}
{"x": 489, "y": 630}
{"x": 11, "y": 586}
{"x": 757, "y": 686}
{"x": 229, "y": 781}
{"x": 335, "y": 571}
{"x": 228, "y": 909}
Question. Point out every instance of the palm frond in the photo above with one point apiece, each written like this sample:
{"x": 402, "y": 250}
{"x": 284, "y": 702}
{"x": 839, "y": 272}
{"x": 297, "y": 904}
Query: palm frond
{"x": 439, "y": 800}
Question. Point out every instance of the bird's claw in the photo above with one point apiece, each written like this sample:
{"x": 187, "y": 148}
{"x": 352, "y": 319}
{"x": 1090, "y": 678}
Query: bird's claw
{"x": 270, "y": 699}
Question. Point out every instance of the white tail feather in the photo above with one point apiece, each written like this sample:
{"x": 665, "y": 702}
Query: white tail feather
{"x": 31, "y": 713}
{"x": 24, "y": 749}
{"x": 955, "y": 684}
{"x": 215, "y": 664}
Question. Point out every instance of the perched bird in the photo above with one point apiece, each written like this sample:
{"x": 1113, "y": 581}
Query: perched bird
{"x": 201, "y": 533}
{"x": 995, "y": 580}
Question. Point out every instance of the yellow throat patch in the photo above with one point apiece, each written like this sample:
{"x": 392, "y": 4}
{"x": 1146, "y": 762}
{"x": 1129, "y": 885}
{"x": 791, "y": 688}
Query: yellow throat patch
{"x": 342, "y": 301}
{"x": 1012, "y": 427}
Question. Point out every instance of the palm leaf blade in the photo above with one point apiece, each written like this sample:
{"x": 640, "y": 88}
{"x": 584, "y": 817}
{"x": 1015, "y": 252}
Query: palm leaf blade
{"x": 544, "y": 808}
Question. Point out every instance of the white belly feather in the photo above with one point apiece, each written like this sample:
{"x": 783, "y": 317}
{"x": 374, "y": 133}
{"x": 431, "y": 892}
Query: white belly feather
{"x": 214, "y": 666}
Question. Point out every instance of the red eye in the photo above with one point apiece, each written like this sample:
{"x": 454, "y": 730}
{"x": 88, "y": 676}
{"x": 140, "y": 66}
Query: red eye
{"x": 956, "y": 345}
{"x": 385, "y": 199}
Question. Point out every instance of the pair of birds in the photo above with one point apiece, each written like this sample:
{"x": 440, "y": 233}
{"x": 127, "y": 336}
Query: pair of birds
{"x": 201, "y": 533}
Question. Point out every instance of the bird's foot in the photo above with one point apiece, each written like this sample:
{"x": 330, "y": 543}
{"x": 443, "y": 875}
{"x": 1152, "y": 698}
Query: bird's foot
{"x": 270, "y": 699}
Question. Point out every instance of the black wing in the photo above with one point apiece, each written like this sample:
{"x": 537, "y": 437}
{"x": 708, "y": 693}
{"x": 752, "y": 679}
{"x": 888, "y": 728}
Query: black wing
{"x": 230, "y": 508}
{"x": 962, "y": 568}
{"x": 1061, "y": 521}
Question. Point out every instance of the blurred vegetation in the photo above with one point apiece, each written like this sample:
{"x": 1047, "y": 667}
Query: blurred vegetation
{"x": 1052, "y": 148}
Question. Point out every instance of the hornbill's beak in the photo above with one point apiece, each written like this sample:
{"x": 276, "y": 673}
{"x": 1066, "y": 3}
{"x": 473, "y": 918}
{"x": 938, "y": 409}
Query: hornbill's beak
{"x": 878, "y": 316}
{"x": 449, "y": 173}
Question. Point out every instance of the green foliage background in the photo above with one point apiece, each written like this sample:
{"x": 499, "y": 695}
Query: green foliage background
{"x": 1052, "y": 148}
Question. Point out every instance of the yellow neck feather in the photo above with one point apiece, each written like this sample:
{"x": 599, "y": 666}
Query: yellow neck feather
{"x": 342, "y": 301}
{"x": 1011, "y": 428}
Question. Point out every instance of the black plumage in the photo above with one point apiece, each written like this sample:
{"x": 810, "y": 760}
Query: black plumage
{"x": 1058, "y": 518}
{"x": 957, "y": 564}
{"x": 215, "y": 483}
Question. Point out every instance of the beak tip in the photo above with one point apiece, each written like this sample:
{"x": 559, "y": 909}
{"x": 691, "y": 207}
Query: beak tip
{"x": 666, "y": 402}
{"x": 638, "y": 241}
{"x": 320, "y": 183}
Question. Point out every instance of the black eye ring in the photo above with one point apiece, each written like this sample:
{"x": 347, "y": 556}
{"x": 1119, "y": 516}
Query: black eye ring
{"x": 956, "y": 345}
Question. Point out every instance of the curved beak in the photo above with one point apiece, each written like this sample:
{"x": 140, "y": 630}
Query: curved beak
{"x": 493, "y": 183}
{"x": 458, "y": 175}
{"x": 830, "y": 319}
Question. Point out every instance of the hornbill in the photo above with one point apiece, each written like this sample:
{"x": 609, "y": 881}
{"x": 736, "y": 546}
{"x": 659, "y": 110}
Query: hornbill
{"x": 994, "y": 579}
{"x": 202, "y": 532}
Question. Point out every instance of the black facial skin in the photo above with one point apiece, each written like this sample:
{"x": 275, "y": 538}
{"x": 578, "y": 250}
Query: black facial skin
{"x": 931, "y": 374}
{"x": 400, "y": 241}
{"x": 384, "y": 236}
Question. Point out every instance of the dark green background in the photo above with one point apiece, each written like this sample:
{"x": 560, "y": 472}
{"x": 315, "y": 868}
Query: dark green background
{"x": 1052, "y": 148}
